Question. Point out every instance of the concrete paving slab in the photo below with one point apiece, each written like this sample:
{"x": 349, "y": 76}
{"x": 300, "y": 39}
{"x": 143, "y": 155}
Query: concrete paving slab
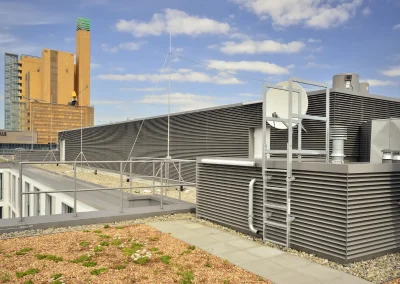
{"x": 219, "y": 248}
{"x": 193, "y": 226}
{"x": 225, "y": 237}
{"x": 264, "y": 267}
{"x": 291, "y": 277}
{"x": 289, "y": 260}
{"x": 243, "y": 244}
{"x": 319, "y": 272}
{"x": 264, "y": 252}
{"x": 199, "y": 241}
{"x": 206, "y": 231}
{"x": 239, "y": 257}
{"x": 347, "y": 278}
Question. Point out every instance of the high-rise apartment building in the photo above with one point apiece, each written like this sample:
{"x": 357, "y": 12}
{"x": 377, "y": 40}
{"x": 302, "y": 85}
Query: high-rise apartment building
{"x": 38, "y": 90}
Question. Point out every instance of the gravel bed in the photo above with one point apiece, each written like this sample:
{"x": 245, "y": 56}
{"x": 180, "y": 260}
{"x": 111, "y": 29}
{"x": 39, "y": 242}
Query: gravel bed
{"x": 378, "y": 270}
{"x": 113, "y": 180}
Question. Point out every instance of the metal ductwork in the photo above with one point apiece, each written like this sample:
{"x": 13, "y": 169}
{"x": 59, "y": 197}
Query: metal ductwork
{"x": 251, "y": 191}
{"x": 338, "y": 134}
{"x": 396, "y": 156}
{"x": 387, "y": 156}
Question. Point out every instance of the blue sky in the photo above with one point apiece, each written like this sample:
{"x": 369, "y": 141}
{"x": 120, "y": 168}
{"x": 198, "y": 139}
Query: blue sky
{"x": 258, "y": 39}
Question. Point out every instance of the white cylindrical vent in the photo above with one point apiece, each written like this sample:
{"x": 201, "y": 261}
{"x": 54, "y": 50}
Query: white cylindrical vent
{"x": 396, "y": 157}
{"x": 387, "y": 156}
{"x": 347, "y": 81}
{"x": 338, "y": 134}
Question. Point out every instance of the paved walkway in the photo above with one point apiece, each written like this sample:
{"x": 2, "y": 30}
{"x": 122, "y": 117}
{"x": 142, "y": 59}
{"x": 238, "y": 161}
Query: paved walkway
{"x": 272, "y": 264}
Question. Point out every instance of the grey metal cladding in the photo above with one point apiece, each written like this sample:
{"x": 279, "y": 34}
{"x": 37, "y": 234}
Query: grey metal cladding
{"x": 224, "y": 131}
{"x": 340, "y": 216}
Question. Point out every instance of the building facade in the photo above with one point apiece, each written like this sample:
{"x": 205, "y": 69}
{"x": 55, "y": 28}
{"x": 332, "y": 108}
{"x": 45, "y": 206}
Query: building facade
{"x": 39, "y": 90}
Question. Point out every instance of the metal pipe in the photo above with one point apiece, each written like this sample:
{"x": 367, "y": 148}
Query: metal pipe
{"x": 162, "y": 188}
{"x": 130, "y": 176}
{"x": 20, "y": 193}
{"x": 122, "y": 192}
{"x": 251, "y": 190}
{"x": 338, "y": 134}
{"x": 154, "y": 176}
{"x": 75, "y": 190}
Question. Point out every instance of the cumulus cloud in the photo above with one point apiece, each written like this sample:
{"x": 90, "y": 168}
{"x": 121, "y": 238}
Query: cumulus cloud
{"x": 252, "y": 66}
{"x": 69, "y": 40}
{"x": 142, "y": 89}
{"x": 366, "y": 11}
{"x": 131, "y": 46}
{"x": 317, "y": 65}
{"x": 175, "y": 22}
{"x": 313, "y": 40}
{"x": 392, "y": 72}
{"x": 182, "y": 101}
{"x": 379, "y": 83}
{"x": 249, "y": 95}
{"x": 180, "y": 75}
{"x": 7, "y": 38}
{"x": 319, "y": 14}
{"x": 396, "y": 27}
{"x": 94, "y": 65}
{"x": 266, "y": 46}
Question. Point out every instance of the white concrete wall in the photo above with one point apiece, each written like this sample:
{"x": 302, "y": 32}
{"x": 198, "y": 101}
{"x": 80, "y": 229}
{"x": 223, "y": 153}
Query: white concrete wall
{"x": 38, "y": 203}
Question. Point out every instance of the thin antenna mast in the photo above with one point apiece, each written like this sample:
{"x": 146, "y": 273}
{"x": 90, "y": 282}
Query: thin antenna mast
{"x": 169, "y": 89}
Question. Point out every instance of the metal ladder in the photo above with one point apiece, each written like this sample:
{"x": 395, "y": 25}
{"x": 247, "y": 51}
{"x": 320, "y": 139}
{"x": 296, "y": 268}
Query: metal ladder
{"x": 271, "y": 172}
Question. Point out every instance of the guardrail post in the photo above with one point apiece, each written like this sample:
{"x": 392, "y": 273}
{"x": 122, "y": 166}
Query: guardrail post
{"x": 122, "y": 192}
{"x": 75, "y": 207}
{"x": 21, "y": 219}
{"x": 130, "y": 175}
{"x": 180, "y": 177}
{"x": 162, "y": 185}
{"x": 154, "y": 177}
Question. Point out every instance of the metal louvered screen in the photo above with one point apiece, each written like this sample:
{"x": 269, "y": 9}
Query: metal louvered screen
{"x": 224, "y": 131}
{"x": 339, "y": 215}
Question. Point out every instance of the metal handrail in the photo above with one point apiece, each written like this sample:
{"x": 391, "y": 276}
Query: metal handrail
{"x": 163, "y": 162}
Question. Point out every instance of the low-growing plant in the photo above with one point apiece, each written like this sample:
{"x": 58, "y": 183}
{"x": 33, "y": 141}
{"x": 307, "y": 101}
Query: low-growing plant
{"x": 23, "y": 251}
{"x": 226, "y": 262}
{"x": 142, "y": 260}
{"x": 226, "y": 281}
{"x": 116, "y": 242}
{"x": 4, "y": 277}
{"x": 191, "y": 247}
{"x": 57, "y": 282}
{"x": 106, "y": 226}
{"x": 153, "y": 239}
{"x": 260, "y": 278}
{"x": 28, "y": 282}
{"x": 56, "y": 276}
{"x": 119, "y": 266}
{"x": 187, "y": 276}
{"x": 49, "y": 257}
{"x": 132, "y": 249}
{"x": 86, "y": 231}
{"x": 97, "y": 231}
{"x": 30, "y": 271}
{"x": 159, "y": 252}
{"x": 89, "y": 263}
{"x": 98, "y": 249}
{"x": 153, "y": 249}
{"x": 103, "y": 236}
{"x": 84, "y": 244}
{"x": 165, "y": 259}
{"x": 208, "y": 263}
{"x": 104, "y": 244}
{"x": 98, "y": 271}
{"x": 7, "y": 255}
{"x": 120, "y": 227}
{"x": 81, "y": 259}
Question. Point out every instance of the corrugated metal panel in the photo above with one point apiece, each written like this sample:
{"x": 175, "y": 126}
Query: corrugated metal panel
{"x": 36, "y": 155}
{"x": 373, "y": 213}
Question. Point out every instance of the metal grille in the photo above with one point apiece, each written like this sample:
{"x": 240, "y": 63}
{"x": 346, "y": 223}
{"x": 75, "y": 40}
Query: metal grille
{"x": 11, "y": 100}
{"x": 53, "y": 76}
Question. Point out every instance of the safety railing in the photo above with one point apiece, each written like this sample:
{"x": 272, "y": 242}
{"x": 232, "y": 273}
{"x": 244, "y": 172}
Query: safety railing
{"x": 163, "y": 184}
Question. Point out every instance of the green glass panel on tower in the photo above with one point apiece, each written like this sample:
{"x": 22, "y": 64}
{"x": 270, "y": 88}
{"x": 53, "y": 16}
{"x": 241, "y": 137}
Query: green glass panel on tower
{"x": 83, "y": 24}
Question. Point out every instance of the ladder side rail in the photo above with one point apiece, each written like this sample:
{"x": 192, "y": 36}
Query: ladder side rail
{"x": 289, "y": 162}
{"x": 264, "y": 157}
{"x": 327, "y": 102}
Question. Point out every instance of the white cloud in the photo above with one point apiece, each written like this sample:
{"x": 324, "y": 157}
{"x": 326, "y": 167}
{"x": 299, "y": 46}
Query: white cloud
{"x": 131, "y": 46}
{"x": 94, "y": 65}
{"x": 17, "y": 13}
{"x": 120, "y": 69}
{"x": 396, "y": 27}
{"x": 232, "y": 16}
{"x": 249, "y": 95}
{"x": 106, "y": 102}
{"x": 7, "y": 38}
{"x": 69, "y": 39}
{"x": 182, "y": 101}
{"x": 392, "y": 72}
{"x": 266, "y": 46}
{"x": 310, "y": 57}
{"x": 366, "y": 11}
{"x": 313, "y": 40}
{"x": 319, "y": 14}
{"x": 378, "y": 83}
{"x": 317, "y": 65}
{"x": 181, "y": 75}
{"x": 175, "y": 22}
{"x": 142, "y": 89}
{"x": 252, "y": 66}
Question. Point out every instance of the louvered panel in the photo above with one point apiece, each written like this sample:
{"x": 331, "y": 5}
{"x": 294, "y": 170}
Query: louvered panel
{"x": 373, "y": 213}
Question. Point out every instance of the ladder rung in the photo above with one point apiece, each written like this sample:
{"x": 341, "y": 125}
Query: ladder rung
{"x": 274, "y": 242}
{"x": 310, "y": 117}
{"x": 276, "y": 188}
{"x": 276, "y": 170}
{"x": 276, "y": 206}
{"x": 275, "y": 224}
{"x": 280, "y": 119}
